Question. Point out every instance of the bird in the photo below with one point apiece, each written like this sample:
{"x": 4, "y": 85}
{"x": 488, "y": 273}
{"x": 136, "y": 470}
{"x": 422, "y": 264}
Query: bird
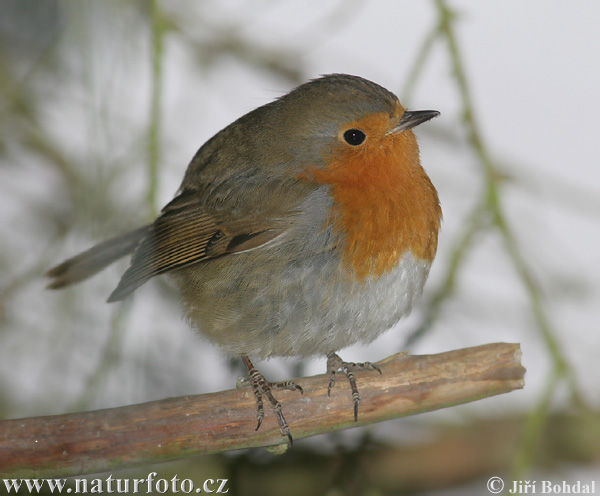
{"x": 305, "y": 226}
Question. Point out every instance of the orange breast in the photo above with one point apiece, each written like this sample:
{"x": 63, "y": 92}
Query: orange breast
{"x": 385, "y": 203}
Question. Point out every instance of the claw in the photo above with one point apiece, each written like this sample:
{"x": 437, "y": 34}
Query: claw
{"x": 290, "y": 385}
{"x": 373, "y": 366}
{"x": 335, "y": 363}
{"x": 331, "y": 384}
{"x": 261, "y": 387}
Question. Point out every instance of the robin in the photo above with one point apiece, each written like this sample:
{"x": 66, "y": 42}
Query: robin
{"x": 303, "y": 227}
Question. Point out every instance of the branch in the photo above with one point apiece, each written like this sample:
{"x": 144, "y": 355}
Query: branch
{"x": 173, "y": 428}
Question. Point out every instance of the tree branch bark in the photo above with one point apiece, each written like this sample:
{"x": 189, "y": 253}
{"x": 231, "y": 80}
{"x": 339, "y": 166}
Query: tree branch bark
{"x": 159, "y": 431}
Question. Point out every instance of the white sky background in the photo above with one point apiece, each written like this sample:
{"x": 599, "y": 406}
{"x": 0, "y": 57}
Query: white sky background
{"x": 534, "y": 74}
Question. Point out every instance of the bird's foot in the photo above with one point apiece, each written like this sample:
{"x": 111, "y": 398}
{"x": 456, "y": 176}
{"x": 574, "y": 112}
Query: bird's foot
{"x": 335, "y": 363}
{"x": 262, "y": 387}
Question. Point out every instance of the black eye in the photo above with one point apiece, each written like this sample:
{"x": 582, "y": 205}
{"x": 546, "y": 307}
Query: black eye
{"x": 354, "y": 137}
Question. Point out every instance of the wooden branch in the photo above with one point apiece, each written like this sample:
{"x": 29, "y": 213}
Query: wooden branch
{"x": 159, "y": 431}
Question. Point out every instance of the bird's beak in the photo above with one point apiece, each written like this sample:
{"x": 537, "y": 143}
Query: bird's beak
{"x": 412, "y": 118}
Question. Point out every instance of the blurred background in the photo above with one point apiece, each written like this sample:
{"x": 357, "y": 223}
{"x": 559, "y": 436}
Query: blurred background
{"x": 102, "y": 106}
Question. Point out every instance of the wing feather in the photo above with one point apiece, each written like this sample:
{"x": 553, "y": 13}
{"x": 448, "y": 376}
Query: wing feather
{"x": 186, "y": 234}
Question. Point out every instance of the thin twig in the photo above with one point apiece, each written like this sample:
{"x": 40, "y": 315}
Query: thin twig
{"x": 419, "y": 64}
{"x": 493, "y": 197}
{"x": 158, "y": 30}
{"x": 533, "y": 429}
{"x": 493, "y": 205}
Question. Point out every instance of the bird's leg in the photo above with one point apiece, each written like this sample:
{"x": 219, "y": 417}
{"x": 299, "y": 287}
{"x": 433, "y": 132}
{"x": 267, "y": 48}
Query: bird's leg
{"x": 261, "y": 387}
{"x": 335, "y": 363}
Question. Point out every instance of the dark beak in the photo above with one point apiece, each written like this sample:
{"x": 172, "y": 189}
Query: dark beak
{"x": 412, "y": 118}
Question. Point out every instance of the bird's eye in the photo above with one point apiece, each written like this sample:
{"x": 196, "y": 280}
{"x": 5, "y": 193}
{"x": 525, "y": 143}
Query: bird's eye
{"x": 354, "y": 137}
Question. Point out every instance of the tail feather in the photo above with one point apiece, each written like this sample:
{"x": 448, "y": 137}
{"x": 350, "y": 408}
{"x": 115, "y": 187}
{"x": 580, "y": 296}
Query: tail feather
{"x": 92, "y": 261}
